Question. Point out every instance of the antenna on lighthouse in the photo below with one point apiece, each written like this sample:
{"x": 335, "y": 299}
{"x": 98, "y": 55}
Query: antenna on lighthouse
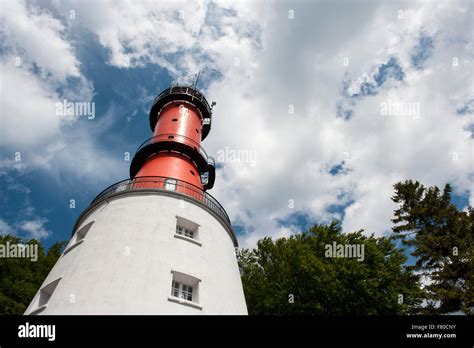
{"x": 187, "y": 81}
{"x": 197, "y": 79}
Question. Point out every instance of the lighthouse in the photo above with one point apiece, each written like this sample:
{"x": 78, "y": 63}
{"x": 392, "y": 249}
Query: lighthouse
{"x": 157, "y": 243}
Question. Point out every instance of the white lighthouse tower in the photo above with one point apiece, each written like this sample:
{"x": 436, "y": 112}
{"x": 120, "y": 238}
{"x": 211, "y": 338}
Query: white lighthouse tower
{"x": 157, "y": 243}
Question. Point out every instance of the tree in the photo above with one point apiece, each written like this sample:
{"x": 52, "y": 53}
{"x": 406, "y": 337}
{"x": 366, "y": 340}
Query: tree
{"x": 442, "y": 240}
{"x": 22, "y": 277}
{"x": 294, "y": 276}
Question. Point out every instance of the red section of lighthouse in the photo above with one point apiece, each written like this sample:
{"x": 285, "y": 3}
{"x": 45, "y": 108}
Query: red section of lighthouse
{"x": 179, "y": 118}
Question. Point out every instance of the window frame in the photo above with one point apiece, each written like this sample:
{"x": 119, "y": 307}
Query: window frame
{"x": 185, "y": 289}
{"x": 187, "y": 230}
{"x": 44, "y": 295}
{"x": 79, "y": 236}
{"x": 182, "y": 291}
{"x": 170, "y": 182}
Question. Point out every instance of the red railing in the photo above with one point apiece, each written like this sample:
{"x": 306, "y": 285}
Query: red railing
{"x": 160, "y": 183}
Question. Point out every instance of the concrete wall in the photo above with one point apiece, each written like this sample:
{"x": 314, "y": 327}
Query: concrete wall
{"x": 124, "y": 264}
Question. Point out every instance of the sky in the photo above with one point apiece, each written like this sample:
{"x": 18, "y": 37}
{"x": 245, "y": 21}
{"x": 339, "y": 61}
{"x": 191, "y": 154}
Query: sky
{"x": 321, "y": 105}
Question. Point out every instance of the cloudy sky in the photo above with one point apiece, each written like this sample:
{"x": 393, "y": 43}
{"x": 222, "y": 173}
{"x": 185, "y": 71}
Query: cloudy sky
{"x": 334, "y": 102}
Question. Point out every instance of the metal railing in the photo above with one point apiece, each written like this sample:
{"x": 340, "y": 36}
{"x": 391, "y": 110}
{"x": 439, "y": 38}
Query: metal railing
{"x": 160, "y": 183}
{"x": 184, "y": 90}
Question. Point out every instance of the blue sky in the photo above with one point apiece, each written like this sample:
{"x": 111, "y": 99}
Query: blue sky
{"x": 300, "y": 85}
{"x": 122, "y": 114}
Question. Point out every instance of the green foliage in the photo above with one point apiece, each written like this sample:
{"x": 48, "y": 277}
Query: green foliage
{"x": 293, "y": 276}
{"x": 20, "y": 278}
{"x": 442, "y": 238}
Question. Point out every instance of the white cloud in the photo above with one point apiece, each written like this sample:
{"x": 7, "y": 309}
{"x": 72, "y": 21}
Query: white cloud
{"x": 181, "y": 36}
{"x": 37, "y": 61}
{"x": 38, "y": 69}
{"x": 302, "y": 64}
{"x": 34, "y": 35}
{"x": 28, "y": 113}
{"x": 5, "y": 228}
{"x": 35, "y": 228}
{"x": 269, "y": 61}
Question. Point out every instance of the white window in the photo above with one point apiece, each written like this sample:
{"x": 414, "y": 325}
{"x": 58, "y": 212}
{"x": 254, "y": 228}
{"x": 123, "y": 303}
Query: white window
{"x": 187, "y": 230}
{"x": 81, "y": 234}
{"x": 170, "y": 184}
{"x": 79, "y": 237}
{"x": 183, "y": 231}
{"x": 44, "y": 296}
{"x": 205, "y": 178}
{"x": 185, "y": 289}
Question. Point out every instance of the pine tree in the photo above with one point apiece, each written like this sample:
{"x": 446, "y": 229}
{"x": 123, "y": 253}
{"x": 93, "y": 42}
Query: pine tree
{"x": 442, "y": 239}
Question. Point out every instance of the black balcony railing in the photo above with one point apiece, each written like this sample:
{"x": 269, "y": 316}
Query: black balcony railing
{"x": 192, "y": 92}
{"x": 186, "y": 94}
{"x": 177, "y": 143}
{"x": 159, "y": 183}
